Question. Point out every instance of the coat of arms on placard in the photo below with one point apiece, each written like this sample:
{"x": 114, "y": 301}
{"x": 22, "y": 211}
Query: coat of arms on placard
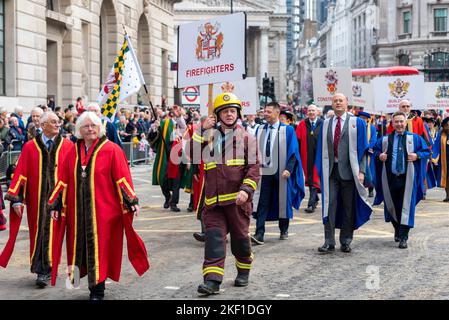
{"x": 227, "y": 87}
{"x": 399, "y": 88}
{"x": 442, "y": 91}
{"x": 331, "y": 81}
{"x": 209, "y": 42}
{"x": 357, "y": 90}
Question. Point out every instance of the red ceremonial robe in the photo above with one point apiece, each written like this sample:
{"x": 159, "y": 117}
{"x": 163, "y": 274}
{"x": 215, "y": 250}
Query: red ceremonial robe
{"x": 307, "y": 140}
{"x": 96, "y": 205}
{"x": 34, "y": 178}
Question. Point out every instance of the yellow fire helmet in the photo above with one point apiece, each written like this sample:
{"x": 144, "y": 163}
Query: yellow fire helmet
{"x": 227, "y": 100}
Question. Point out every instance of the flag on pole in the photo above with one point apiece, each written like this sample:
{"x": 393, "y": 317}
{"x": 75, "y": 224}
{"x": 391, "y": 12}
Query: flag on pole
{"x": 124, "y": 80}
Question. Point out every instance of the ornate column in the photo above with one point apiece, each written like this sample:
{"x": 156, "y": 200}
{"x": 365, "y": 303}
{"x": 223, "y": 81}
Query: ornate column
{"x": 263, "y": 52}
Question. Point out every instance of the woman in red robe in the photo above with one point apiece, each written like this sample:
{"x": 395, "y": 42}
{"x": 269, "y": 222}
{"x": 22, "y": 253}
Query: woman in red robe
{"x": 98, "y": 202}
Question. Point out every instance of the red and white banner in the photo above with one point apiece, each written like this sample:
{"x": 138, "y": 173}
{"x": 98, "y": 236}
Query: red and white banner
{"x": 389, "y": 91}
{"x": 436, "y": 95}
{"x": 329, "y": 81}
{"x": 191, "y": 96}
{"x": 211, "y": 51}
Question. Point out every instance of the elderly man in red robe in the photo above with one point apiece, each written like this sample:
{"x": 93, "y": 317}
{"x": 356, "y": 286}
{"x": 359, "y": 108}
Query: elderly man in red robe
{"x": 34, "y": 178}
{"x": 307, "y": 133}
{"x": 98, "y": 203}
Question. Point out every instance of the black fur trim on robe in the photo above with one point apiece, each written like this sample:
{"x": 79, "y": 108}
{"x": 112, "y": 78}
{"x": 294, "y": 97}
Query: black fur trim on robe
{"x": 85, "y": 240}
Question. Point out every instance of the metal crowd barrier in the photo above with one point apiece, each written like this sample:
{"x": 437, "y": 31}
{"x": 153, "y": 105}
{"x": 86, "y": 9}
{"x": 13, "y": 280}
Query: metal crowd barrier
{"x": 135, "y": 153}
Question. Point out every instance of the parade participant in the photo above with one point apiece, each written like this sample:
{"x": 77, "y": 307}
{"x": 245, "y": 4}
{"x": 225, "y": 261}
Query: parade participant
{"x": 401, "y": 159}
{"x": 440, "y": 157}
{"x": 38, "y": 166}
{"x": 161, "y": 138}
{"x": 307, "y": 133}
{"x": 371, "y": 133}
{"x": 282, "y": 183}
{"x": 96, "y": 193}
{"x": 287, "y": 118}
{"x": 111, "y": 131}
{"x": 414, "y": 123}
{"x": 341, "y": 163}
{"x": 34, "y": 127}
{"x": 251, "y": 124}
{"x": 231, "y": 177}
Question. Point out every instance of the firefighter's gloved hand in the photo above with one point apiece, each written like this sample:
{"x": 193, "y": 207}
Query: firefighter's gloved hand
{"x": 241, "y": 198}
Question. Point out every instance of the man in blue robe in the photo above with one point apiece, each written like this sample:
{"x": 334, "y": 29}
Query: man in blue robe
{"x": 371, "y": 133}
{"x": 282, "y": 183}
{"x": 341, "y": 165}
{"x": 401, "y": 159}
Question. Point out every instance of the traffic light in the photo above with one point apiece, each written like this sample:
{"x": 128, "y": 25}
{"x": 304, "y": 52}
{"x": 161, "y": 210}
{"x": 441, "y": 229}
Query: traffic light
{"x": 271, "y": 90}
{"x": 266, "y": 86}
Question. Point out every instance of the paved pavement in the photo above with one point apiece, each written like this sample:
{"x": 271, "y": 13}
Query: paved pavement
{"x": 291, "y": 269}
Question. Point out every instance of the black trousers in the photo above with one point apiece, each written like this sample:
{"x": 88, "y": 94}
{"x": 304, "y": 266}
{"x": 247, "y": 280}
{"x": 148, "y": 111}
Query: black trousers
{"x": 313, "y": 197}
{"x": 170, "y": 190}
{"x": 268, "y": 184}
{"x": 397, "y": 189}
{"x": 347, "y": 190}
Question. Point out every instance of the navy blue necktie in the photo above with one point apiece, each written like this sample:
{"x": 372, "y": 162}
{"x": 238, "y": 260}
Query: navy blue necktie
{"x": 268, "y": 145}
{"x": 49, "y": 144}
{"x": 400, "y": 155}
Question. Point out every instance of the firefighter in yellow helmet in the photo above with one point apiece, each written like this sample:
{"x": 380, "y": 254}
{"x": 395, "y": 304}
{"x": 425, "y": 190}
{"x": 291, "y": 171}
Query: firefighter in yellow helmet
{"x": 231, "y": 173}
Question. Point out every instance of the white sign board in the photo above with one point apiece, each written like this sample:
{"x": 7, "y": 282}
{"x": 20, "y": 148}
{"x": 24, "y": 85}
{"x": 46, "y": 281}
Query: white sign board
{"x": 436, "y": 95}
{"x": 362, "y": 95}
{"x": 191, "y": 96}
{"x": 211, "y": 51}
{"x": 329, "y": 81}
{"x": 389, "y": 91}
{"x": 245, "y": 90}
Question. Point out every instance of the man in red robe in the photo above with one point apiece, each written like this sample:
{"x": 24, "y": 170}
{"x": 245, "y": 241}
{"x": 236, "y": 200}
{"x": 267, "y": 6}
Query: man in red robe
{"x": 34, "y": 178}
{"x": 307, "y": 133}
{"x": 98, "y": 202}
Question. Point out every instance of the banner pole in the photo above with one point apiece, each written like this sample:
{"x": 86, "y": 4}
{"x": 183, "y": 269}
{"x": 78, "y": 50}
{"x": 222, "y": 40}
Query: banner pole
{"x": 210, "y": 106}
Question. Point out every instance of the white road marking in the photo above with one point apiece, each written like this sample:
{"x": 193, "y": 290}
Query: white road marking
{"x": 282, "y": 295}
{"x": 171, "y": 288}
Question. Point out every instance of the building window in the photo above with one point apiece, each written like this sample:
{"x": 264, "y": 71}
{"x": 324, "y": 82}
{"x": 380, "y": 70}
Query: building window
{"x": 404, "y": 60}
{"x": 50, "y": 5}
{"x": 440, "y": 20}
{"x": 2, "y": 47}
{"x": 407, "y": 17}
{"x": 436, "y": 67}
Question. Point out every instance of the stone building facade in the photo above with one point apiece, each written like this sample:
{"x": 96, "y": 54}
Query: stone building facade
{"x": 66, "y": 48}
{"x": 414, "y": 33}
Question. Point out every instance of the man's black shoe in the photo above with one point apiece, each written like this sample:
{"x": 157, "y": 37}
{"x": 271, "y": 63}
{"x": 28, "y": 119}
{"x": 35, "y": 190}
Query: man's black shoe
{"x": 283, "y": 236}
{"x": 396, "y": 239}
{"x": 446, "y": 200}
{"x": 345, "y": 248}
{"x": 209, "y": 287}
{"x": 167, "y": 204}
{"x": 190, "y": 208}
{"x": 403, "y": 244}
{"x": 241, "y": 280}
{"x": 257, "y": 239}
{"x": 310, "y": 209}
{"x": 174, "y": 208}
{"x": 199, "y": 236}
{"x": 43, "y": 280}
{"x": 96, "y": 297}
{"x": 326, "y": 248}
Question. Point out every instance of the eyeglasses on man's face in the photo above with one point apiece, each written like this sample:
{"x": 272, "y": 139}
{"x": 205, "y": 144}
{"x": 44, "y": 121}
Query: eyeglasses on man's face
{"x": 89, "y": 126}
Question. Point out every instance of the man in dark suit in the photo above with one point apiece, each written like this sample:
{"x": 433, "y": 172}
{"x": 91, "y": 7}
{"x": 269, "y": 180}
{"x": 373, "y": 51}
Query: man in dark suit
{"x": 307, "y": 133}
{"x": 341, "y": 162}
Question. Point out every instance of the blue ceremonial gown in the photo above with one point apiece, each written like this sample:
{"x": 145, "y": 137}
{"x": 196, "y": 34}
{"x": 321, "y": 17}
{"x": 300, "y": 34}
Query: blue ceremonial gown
{"x": 440, "y": 159}
{"x": 295, "y": 183}
{"x": 431, "y": 178}
{"x": 415, "y": 179}
{"x": 362, "y": 208}
{"x": 370, "y": 174}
